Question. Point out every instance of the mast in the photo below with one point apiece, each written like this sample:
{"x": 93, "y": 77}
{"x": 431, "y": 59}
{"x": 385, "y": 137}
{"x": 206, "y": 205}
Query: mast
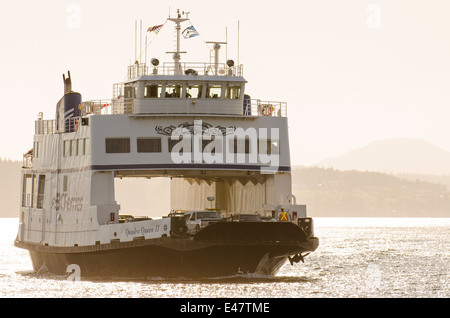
{"x": 176, "y": 55}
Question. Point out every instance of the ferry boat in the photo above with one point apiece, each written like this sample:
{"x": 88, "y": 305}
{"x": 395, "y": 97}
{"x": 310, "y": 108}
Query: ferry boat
{"x": 225, "y": 153}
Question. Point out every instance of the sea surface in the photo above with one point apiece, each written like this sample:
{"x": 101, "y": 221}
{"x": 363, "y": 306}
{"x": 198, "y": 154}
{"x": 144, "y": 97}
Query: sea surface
{"x": 357, "y": 258}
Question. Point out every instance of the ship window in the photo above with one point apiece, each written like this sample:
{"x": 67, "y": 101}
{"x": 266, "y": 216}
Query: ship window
{"x": 212, "y": 145}
{"x": 194, "y": 91}
{"x": 67, "y": 146}
{"x": 241, "y": 145}
{"x": 149, "y": 144}
{"x": 74, "y": 148}
{"x": 117, "y": 145}
{"x": 268, "y": 147}
{"x": 41, "y": 189}
{"x": 81, "y": 151}
{"x": 27, "y": 190}
{"x": 65, "y": 182}
{"x": 130, "y": 91}
{"x": 214, "y": 91}
{"x": 153, "y": 91}
{"x": 37, "y": 149}
{"x": 172, "y": 143}
{"x": 233, "y": 92}
{"x": 173, "y": 91}
{"x": 87, "y": 146}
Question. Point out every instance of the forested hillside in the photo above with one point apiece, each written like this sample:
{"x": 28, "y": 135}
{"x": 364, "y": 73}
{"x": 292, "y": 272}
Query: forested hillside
{"x": 329, "y": 192}
{"x": 9, "y": 188}
{"x": 326, "y": 192}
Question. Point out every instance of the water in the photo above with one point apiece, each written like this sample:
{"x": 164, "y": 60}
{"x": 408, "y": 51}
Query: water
{"x": 357, "y": 258}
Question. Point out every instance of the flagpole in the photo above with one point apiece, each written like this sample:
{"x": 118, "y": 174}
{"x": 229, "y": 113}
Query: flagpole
{"x": 135, "y": 41}
{"x": 226, "y": 40}
{"x": 140, "y": 44}
{"x": 238, "y": 45}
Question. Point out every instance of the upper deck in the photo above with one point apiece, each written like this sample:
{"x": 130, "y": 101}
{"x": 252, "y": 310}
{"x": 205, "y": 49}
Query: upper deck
{"x": 172, "y": 88}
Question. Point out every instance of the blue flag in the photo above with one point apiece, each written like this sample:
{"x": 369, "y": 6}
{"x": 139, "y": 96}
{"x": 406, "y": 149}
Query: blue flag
{"x": 190, "y": 32}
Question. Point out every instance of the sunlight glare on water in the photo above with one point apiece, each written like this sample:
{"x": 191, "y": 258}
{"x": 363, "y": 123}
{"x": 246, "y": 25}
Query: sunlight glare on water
{"x": 357, "y": 257}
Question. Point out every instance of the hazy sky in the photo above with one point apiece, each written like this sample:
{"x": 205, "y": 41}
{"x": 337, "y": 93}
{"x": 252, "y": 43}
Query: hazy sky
{"x": 351, "y": 71}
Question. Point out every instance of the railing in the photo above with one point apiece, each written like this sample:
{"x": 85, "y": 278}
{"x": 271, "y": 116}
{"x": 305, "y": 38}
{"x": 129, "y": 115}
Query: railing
{"x": 96, "y": 107}
{"x": 28, "y": 160}
{"x": 40, "y": 201}
{"x": 250, "y": 107}
{"x": 26, "y": 200}
{"x": 45, "y": 127}
{"x": 187, "y": 68}
{"x": 256, "y": 107}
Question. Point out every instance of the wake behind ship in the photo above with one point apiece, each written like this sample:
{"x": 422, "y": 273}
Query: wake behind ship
{"x": 227, "y": 155}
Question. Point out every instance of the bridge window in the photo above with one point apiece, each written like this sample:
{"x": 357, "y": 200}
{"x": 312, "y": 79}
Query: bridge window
{"x": 153, "y": 91}
{"x": 130, "y": 91}
{"x": 117, "y": 145}
{"x": 194, "y": 91}
{"x": 149, "y": 144}
{"x": 173, "y": 91}
{"x": 214, "y": 91}
{"x": 233, "y": 92}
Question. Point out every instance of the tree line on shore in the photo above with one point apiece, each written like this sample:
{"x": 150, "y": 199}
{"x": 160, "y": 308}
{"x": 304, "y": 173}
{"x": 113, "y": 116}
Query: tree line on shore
{"x": 326, "y": 192}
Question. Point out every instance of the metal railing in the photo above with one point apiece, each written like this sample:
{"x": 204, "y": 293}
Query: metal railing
{"x": 187, "y": 68}
{"x": 256, "y": 107}
{"x": 251, "y": 107}
{"x": 27, "y": 160}
{"x": 45, "y": 127}
{"x": 96, "y": 107}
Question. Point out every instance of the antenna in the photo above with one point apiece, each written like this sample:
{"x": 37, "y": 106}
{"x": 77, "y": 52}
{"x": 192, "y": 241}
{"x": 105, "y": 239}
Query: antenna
{"x": 238, "y": 45}
{"x": 135, "y": 40}
{"x": 176, "y": 56}
{"x": 146, "y": 49}
{"x": 140, "y": 44}
{"x": 226, "y": 40}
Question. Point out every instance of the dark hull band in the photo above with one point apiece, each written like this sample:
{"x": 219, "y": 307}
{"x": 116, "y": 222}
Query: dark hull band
{"x": 172, "y": 257}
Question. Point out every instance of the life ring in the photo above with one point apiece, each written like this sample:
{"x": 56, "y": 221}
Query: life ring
{"x": 267, "y": 110}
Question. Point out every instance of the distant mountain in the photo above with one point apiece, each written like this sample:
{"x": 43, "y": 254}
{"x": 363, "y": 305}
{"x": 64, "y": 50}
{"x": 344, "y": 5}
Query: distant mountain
{"x": 394, "y": 156}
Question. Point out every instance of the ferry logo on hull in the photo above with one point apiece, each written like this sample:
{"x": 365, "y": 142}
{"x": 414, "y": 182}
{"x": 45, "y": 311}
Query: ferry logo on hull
{"x": 64, "y": 203}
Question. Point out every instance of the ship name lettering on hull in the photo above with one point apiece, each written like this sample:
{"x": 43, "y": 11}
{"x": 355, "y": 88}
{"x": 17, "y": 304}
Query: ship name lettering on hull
{"x": 63, "y": 202}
